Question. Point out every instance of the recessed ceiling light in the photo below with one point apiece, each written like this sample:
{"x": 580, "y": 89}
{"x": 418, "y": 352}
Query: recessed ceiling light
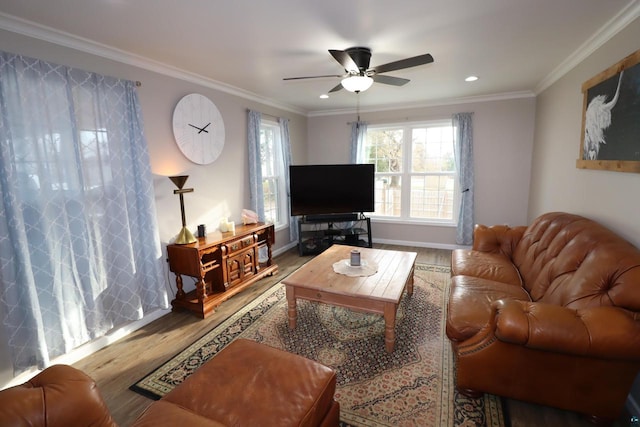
{"x": 471, "y": 79}
{"x": 324, "y": 96}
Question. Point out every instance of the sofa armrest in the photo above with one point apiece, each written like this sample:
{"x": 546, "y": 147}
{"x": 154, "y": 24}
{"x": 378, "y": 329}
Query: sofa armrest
{"x": 500, "y": 239}
{"x": 59, "y": 396}
{"x": 605, "y": 331}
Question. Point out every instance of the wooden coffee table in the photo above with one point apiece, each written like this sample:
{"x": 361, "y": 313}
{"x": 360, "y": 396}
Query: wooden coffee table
{"x": 379, "y": 293}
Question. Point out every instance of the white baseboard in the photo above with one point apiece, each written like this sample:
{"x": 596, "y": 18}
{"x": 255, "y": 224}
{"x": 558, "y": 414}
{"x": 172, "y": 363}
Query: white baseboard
{"x": 420, "y": 244}
{"x": 284, "y": 248}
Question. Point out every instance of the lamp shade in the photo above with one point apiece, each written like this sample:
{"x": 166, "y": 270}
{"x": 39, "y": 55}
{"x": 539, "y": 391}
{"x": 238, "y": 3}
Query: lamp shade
{"x": 357, "y": 83}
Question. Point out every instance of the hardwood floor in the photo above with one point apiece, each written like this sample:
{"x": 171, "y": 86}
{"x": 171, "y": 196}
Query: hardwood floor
{"x": 124, "y": 362}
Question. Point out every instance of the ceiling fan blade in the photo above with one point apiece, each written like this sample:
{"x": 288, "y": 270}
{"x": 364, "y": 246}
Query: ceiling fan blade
{"x": 389, "y": 80}
{"x": 313, "y": 77}
{"x": 403, "y": 63}
{"x": 345, "y": 60}
{"x": 337, "y": 88}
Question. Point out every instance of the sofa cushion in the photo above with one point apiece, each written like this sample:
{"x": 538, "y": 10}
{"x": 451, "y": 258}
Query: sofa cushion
{"x": 469, "y": 305}
{"x": 484, "y": 265}
{"x": 575, "y": 262}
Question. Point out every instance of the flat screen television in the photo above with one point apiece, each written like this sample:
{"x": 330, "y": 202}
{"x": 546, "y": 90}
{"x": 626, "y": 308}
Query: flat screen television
{"x": 331, "y": 189}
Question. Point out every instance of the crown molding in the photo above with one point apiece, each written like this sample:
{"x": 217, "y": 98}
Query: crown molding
{"x": 51, "y": 35}
{"x": 435, "y": 103}
{"x": 616, "y": 24}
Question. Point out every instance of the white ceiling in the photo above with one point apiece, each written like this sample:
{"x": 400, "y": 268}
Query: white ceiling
{"x": 514, "y": 46}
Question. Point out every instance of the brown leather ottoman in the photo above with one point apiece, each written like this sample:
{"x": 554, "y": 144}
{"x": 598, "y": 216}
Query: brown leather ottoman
{"x": 250, "y": 384}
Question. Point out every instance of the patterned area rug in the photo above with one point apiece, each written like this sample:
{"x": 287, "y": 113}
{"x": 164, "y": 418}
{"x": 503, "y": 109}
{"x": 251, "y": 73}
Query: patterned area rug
{"x": 413, "y": 386}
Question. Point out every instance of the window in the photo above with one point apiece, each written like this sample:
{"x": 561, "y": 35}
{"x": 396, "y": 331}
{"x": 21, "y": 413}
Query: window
{"x": 415, "y": 175}
{"x": 273, "y": 182}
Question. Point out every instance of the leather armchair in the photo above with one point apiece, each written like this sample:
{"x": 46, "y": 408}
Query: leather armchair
{"x": 59, "y": 396}
{"x": 548, "y": 313}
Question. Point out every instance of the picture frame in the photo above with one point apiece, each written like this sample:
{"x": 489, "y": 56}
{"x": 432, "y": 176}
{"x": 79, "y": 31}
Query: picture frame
{"x": 610, "y": 136}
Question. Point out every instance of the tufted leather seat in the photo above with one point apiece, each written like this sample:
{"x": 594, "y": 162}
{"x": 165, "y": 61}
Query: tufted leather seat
{"x": 548, "y": 313}
{"x": 250, "y": 384}
{"x": 246, "y": 384}
{"x": 59, "y": 396}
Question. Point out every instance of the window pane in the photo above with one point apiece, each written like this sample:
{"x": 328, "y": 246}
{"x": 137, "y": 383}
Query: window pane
{"x": 272, "y": 165}
{"x": 388, "y": 195}
{"x": 432, "y": 149}
{"x": 270, "y": 189}
{"x": 383, "y": 147}
{"x": 432, "y": 197}
{"x": 267, "y": 151}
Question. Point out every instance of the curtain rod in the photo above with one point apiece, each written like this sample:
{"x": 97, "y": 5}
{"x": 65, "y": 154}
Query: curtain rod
{"x": 265, "y": 114}
{"x": 404, "y": 119}
{"x": 138, "y": 83}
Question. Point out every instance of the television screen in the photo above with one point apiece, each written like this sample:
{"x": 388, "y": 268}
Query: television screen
{"x": 331, "y": 189}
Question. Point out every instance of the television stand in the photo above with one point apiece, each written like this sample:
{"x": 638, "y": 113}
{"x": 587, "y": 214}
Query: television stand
{"x": 317, "y": 232}
{"x": 331, "y": 217}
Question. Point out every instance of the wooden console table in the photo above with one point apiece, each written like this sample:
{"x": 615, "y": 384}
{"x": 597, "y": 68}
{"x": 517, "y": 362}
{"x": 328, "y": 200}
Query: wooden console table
{"x": 223, "y": 264}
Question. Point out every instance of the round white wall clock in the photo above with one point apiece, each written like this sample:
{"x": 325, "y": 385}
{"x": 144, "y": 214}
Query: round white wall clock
{"x": 198, "y": 128}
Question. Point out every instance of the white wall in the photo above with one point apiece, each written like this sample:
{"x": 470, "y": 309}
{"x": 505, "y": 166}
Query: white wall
{"x": 503, "y": 143}
{"x": 612, "y": 198}
{"x": 220, "y": 188}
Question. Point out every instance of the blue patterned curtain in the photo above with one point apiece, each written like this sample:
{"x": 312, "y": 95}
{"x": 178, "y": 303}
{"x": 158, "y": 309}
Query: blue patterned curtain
{"x": 358, "y": 131}
{"x": 463, "y": 151}
{"x": 79, "y": 245}
{"x": 256, "y": 193}
{"x": 286, "y": 152}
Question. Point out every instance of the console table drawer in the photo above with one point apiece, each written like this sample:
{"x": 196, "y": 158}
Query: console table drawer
{"x": 240, "y": 244}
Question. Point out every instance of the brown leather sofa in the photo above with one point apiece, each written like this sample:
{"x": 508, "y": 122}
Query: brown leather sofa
{"x": 59, "y": 396}
{"x": 548, "y": 313}
{"x": 246, "y": 384}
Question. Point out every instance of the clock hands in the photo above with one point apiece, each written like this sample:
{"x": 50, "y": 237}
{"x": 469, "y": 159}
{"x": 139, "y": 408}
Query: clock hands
{"x": 200, "y": 130}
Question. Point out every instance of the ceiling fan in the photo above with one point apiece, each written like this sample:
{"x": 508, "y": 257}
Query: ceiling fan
{"x": 359, "y": 77}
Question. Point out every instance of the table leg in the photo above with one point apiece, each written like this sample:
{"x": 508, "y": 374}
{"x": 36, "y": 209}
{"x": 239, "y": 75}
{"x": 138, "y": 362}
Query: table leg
{"x": 201, "y": 290}
{"x": 291, "y": 304}
{"x": 389, "y": 327}
{"x": 180, "y": 294}
{"x": 410, "y": 283}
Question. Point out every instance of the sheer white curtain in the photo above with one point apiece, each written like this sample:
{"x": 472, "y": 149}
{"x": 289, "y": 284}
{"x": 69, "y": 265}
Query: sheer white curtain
{"x": 463, "y": 151}
{"x": 79, "y": 246}
{"x": 256, "y": 193}
{"x": 286, "y": 152}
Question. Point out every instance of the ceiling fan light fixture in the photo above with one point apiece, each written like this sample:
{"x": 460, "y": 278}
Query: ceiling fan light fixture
{"x": 357, "y": 83}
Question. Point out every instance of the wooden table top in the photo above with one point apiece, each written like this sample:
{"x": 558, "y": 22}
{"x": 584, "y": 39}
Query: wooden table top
{"x": 387, "y": 284}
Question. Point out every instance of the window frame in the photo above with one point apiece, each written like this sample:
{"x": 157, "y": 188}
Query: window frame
{"x": 406, "y": 174}
{"x": 279, "y": 173}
